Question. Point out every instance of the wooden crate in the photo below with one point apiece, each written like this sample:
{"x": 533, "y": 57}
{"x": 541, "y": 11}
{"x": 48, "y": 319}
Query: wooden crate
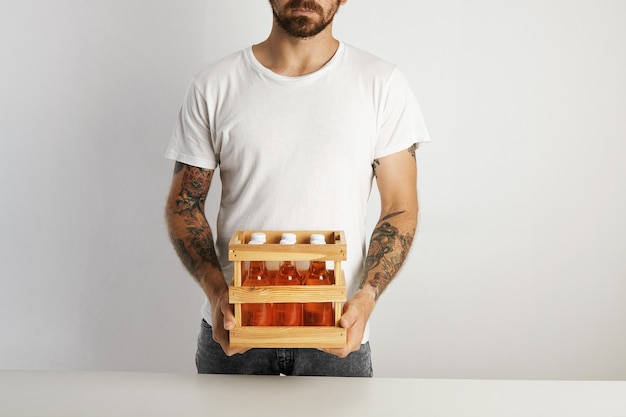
{"x": 287, "y": 336}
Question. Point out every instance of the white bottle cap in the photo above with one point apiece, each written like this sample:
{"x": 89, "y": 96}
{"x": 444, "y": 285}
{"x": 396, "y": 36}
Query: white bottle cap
{"x": 257, "y": 238}
{"x": 289, "y": 236}
{"x": 288, "y": 239}
{"x": 318, "y": 239}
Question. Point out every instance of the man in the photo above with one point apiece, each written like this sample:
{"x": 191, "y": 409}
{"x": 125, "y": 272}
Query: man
{"x": 299, "y": 125}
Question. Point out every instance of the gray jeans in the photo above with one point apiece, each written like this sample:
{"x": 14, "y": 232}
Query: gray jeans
{"x": 211, "y": 359}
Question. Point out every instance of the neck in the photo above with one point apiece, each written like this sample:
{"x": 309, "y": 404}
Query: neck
{"x": 289, "y": 56}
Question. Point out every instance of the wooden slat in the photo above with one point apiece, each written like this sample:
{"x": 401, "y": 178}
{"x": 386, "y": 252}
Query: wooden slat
{"x": 286, "y": 252}
{"x": 288, "y": 337}
{"x": 238, "y": 315}
{"x": 237, "y": 277}
{"x": 236, "y": 239}
{"x": 339, "y": 237}
{"x": 302, "y": 236}
{"x": 301, "y": 294}
{"x": 338, "y": 274}
{"x": 334, "y": 250}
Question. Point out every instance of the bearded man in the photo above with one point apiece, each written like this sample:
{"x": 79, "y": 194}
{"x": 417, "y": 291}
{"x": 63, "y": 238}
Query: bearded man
{"x": 299, "y": 127}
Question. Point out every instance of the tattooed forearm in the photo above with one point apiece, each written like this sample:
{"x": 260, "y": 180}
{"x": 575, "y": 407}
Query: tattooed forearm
{"x": 198, "y": 245}
{"x": 189, "y": 230}
{"x": 188, "y": 261}
{"x": 387, "y": 252}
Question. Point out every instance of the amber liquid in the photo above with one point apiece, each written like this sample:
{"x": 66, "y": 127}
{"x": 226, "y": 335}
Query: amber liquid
{"x": 256, "y": 314}
{"x": 318, "y": 314}
{"x": 287, "y": 314}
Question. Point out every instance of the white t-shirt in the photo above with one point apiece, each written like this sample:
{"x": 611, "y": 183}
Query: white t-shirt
{"x": 296, "y": 153}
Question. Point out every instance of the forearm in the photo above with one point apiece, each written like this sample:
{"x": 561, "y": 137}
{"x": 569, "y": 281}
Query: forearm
{"x": 388, "y": 249}
{"x": 389, "y": 246}
{"x": 189, "y": 229}
{"x": 193, "y": 241}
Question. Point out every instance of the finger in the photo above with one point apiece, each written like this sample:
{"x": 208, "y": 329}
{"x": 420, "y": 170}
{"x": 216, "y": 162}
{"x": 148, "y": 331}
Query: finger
{"x": 340, "y": 352}
{"x": 348, "y": 320}
{"x": 353, "y": 342}
{"x": 237, "y": 351}
{"x": 230, "y": 351}
{"x": 229, "y": 321}
{"x": 228, "y": 315}
{"x": 221, "y": 336}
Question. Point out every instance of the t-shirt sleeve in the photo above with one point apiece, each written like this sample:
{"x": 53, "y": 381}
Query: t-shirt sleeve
{"x": 401, "y": 123}
{"x": 191, "y": 141}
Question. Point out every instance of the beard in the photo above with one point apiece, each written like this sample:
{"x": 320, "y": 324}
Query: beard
{"x": 304, "y": 26}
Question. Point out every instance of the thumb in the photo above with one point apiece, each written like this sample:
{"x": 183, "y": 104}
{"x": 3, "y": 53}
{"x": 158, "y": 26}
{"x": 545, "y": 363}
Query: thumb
{"x": 348, "y": 319}
{"x": 229, "y": 318}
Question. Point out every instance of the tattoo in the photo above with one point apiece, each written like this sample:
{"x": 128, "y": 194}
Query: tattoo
{"x": 195, "y": 246}
{"x": 178, "y": 167}
{"x": 390, "y": 215}
{"x": 374, "y": 165}
{"x": 193, "y": 191}
{"x": 412, "y": 150}
{"x": 387, "y": 251}
{"x": 183, "y": 254}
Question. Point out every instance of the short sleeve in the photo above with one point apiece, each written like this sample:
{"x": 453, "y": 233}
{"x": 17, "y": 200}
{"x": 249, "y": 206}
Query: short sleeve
{"x": 191, "y": 141}
{"x": 401, "y": 123}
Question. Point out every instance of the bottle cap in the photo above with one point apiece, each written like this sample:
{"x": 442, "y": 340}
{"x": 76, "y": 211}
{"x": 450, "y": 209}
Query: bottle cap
{"x": 318, "y": 239}
{"x": 288, "y": 239}
{"x": 257, "y": 238}
{"x": 289, "y": 236}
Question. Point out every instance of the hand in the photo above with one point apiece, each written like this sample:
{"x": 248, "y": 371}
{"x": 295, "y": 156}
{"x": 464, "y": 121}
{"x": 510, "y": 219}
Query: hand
{"x": 223, "y": 321}
{"x": 356, "y": 313}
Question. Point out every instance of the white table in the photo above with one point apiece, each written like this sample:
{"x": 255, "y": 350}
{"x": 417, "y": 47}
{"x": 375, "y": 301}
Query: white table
{"x": 111, "y": 394}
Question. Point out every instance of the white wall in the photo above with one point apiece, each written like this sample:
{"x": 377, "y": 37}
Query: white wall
{"x": 518, "y": 270}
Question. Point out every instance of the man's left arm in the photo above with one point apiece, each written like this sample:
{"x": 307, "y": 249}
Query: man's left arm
{"x": 396, "y": 178}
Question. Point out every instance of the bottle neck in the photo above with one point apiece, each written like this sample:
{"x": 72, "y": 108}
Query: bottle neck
{"x": 318, "y": 265}
{"x": 257, "y": 274}
{"x": 256, "y": 266}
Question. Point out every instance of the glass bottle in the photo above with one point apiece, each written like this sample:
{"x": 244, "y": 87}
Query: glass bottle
{"x": 287, "y": 314}
{"x": 318, "y": 314}
{"x": 256, "y": 314}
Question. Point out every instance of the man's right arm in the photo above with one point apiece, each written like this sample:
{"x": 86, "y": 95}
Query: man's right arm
{"x": 192, "y": 238}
